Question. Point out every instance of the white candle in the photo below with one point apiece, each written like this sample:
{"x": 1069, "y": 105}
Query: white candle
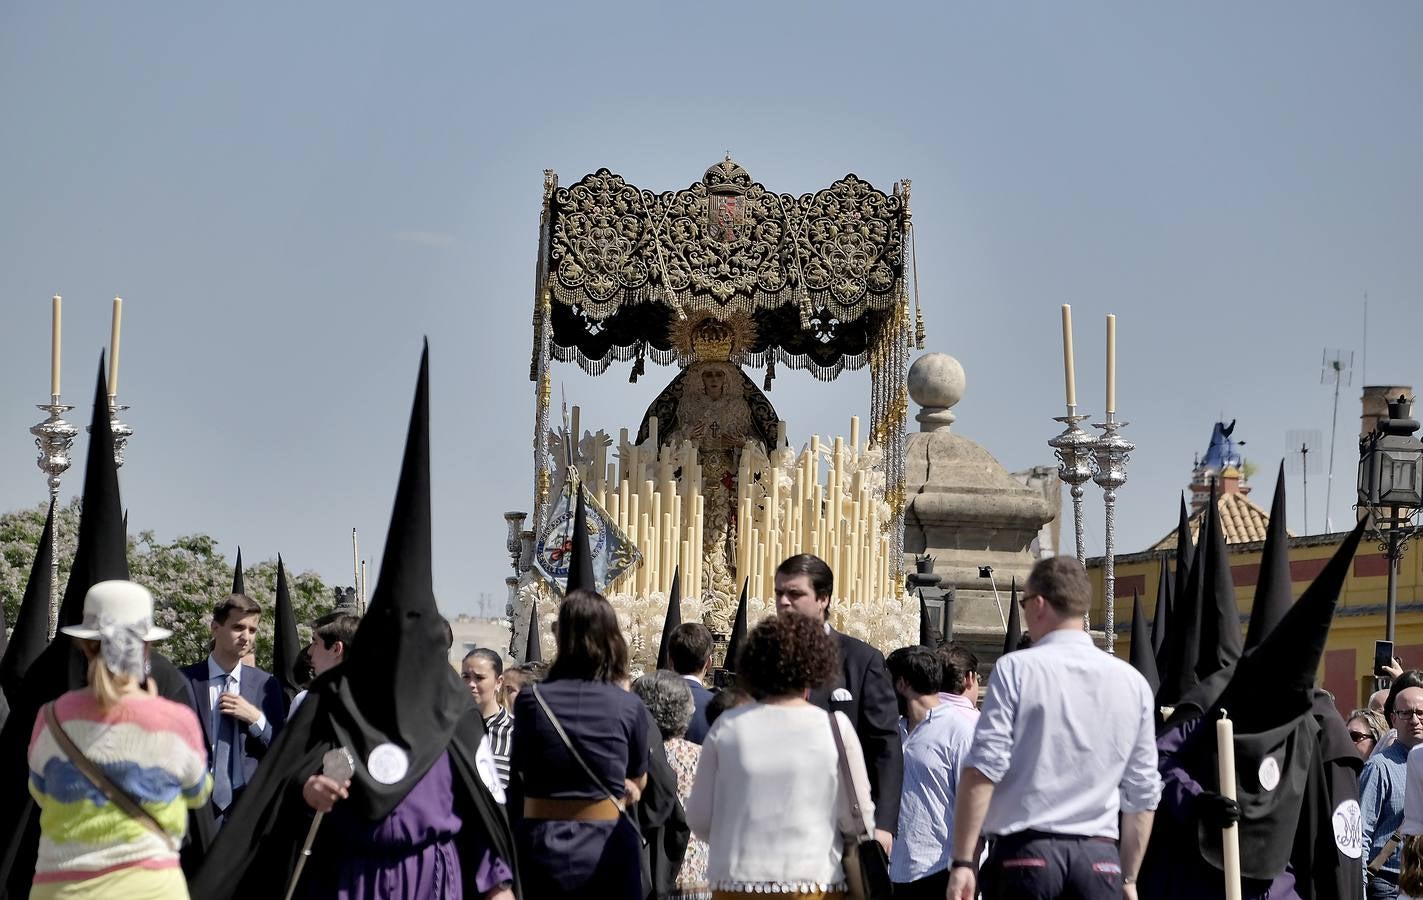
{"x": 1230, "y": 835}
{"x": 1069, "y": 374}
{"x": 54, "y": 346}
{"x": 1111, "y": 364}
{"x": 114, "y": 347}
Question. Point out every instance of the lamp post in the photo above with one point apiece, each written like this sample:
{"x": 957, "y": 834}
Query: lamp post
{"x": 1390, "y": 482}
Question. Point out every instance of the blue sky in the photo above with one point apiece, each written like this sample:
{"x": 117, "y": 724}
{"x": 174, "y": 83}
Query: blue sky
{"x": 289, "y": 197}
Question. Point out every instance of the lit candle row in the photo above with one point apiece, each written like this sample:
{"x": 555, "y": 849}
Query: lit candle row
{"x": 56, "y": 331}
{"x": 1068, "y": 365}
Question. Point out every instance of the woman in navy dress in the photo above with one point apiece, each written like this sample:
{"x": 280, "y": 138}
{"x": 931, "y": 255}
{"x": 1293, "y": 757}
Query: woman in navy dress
{"x": 573, "y": 840}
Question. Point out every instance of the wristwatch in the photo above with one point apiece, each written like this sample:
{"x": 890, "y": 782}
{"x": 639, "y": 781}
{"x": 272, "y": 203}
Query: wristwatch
{"x": 963, "y": 864}
{"x": 1128, "y": 879}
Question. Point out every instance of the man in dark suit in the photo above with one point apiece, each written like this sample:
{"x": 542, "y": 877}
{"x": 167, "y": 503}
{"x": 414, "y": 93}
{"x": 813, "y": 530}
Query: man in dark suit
{"x": 689, "y": 653}
{"x": 240, "y": 707}
{"x": 862, "y": 689}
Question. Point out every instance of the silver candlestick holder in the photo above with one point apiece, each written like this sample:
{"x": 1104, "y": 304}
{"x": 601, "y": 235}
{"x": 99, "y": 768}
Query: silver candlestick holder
{"x": 53, "y": 438}
{"x": 120, "y": 431}
{"x": 515, "y": 523}
{"x": 1111, "y": 452}
{"x": 1073, "y": 449}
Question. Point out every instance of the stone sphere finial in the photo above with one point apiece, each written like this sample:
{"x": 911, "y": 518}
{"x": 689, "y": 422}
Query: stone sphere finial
{"x": 936, "y": 383}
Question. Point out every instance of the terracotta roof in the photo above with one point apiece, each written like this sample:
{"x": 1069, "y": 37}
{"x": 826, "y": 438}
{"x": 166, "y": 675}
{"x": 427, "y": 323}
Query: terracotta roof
{"x": 1240, "y": 519}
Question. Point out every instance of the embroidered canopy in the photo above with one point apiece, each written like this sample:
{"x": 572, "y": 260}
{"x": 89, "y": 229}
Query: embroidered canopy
{"x": 813, "y": 281}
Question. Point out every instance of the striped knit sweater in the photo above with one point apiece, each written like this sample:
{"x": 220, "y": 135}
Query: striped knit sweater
{"x": 150, "y": 747}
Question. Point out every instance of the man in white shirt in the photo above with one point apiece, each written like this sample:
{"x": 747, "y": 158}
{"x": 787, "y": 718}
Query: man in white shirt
{"x": 1065, "y": 743}
{"x": 241, "y": 708}
{"x": 936, "y": 739}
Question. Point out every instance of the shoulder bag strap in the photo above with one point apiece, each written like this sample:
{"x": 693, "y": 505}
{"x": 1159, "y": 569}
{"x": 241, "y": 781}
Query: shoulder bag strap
{"x": 578, "y": 757}
{"x": 96, "y": 776}
{"x": 850, "y": 791}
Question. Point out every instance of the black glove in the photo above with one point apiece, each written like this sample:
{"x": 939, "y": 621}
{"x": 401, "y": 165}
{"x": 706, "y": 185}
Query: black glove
{"x": 1216, "y": 810}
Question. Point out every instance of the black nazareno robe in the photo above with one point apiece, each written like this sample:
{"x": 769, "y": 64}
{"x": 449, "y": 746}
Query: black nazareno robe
{"x": 257, "y": 849}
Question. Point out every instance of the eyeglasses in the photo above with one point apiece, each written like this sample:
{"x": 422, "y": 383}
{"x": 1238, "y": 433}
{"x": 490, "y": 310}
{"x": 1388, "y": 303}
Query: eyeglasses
{"x": 1357, "y": 736}
{"x": 1024, "y": 600}
{"x": 1408, "y": 713}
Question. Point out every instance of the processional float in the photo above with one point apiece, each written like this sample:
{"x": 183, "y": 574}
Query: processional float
{"x": 718, "y": 278}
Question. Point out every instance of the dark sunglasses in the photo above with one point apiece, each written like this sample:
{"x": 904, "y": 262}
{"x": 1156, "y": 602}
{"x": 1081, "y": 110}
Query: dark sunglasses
{"x": 1357, "y": 736}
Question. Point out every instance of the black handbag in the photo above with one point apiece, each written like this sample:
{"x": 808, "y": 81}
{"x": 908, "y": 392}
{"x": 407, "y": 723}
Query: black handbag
{"x": 866, "y": 866}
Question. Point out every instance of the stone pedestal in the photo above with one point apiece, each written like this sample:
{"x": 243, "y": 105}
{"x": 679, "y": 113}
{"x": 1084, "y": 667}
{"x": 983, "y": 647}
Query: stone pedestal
{"x": 964, "y": 509}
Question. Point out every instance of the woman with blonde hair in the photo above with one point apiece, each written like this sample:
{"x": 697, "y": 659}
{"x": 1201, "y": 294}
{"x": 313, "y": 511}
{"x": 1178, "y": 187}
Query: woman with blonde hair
{"x": 114, "y": 767}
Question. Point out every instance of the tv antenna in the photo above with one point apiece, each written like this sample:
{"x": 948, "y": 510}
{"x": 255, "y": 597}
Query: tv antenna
{"x": 1337, "y": 367}
{"x": 1303, "y": 460}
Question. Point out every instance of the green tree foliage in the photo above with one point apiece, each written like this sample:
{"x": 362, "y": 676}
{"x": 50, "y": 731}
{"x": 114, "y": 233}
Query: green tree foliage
{"x": 187, "y": 577}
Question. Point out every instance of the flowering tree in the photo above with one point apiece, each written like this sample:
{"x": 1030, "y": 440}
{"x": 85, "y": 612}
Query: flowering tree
{"x": 187, "y": 577}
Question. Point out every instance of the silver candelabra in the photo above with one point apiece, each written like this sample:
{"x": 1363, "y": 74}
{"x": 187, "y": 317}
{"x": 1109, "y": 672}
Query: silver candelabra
{"x": 120, "y": 431}
{"x": 53, "y": 438}
{"x": 1073, "y": 449}
{"x": 1110, "y": 452}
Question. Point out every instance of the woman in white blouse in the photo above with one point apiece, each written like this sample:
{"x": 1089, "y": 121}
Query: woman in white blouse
{"x": 768, "y": 797}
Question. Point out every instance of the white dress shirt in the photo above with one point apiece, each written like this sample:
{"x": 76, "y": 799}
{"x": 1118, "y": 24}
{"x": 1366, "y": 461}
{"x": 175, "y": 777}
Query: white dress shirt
{"x": 218, "y": 678}
{"x": 1067, "y": 735}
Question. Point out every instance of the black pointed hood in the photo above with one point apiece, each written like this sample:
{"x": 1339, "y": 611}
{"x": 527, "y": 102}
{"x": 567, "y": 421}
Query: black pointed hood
{"x": 1273, "y": 596}
{"x": 1183, "y": 639}
{"x": 102, "y": 551}
{"x": 1142, "y": 658}
{"x": 533, "y": 650}
{"x": 1162, "y": 620}
{"x": 738, "y": 628}
{"x": 31, "y": 632}
{"x": 1220, "y": 614}
{"x": 580, "y": 557}
{"x": 1185, "y": 553}
{"x": 1270, "y": 698}
{"x": 673, "y": 619}
{"x": 238, "y": 585}
{"x": 1013, "y": 634}
{"x": 397, "y": 687}
{"x": 286, "y": 643}
{"x": 1275, "y": 679}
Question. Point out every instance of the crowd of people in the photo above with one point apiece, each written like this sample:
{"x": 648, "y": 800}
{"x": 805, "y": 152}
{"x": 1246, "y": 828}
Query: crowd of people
{"x": 819, "y": 769}
{"x": 621, "y": 788}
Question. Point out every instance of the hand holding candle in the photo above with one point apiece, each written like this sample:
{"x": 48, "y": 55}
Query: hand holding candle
{"x": 1069, "y": 375}
{"x": 54, "y": 346}
{"x": 114, "y": 348}
{"x": 1111, "y": 364}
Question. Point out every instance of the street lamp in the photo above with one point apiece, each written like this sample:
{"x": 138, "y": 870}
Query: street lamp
{"x": 1390, "y": 481}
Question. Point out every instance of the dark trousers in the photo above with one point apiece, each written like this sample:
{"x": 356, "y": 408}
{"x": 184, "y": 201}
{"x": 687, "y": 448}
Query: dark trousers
{"x": 930, "y": 887}
{"x": 1038, "y": 866}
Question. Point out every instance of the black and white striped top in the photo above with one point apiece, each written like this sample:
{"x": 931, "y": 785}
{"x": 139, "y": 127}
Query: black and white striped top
{"x": 500, "y": 727}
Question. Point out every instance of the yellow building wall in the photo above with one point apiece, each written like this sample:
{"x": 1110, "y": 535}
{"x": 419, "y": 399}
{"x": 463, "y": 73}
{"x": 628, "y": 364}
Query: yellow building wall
{"x": 1359, "y": 620}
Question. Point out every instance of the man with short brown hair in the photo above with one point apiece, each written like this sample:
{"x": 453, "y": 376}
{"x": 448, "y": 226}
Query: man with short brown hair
{"x": 240, "y": 707}
{"x": 1066, "y": 742}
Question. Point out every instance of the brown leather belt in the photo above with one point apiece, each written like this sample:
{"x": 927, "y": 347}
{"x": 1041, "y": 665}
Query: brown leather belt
{"x": 571, "y": 809}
